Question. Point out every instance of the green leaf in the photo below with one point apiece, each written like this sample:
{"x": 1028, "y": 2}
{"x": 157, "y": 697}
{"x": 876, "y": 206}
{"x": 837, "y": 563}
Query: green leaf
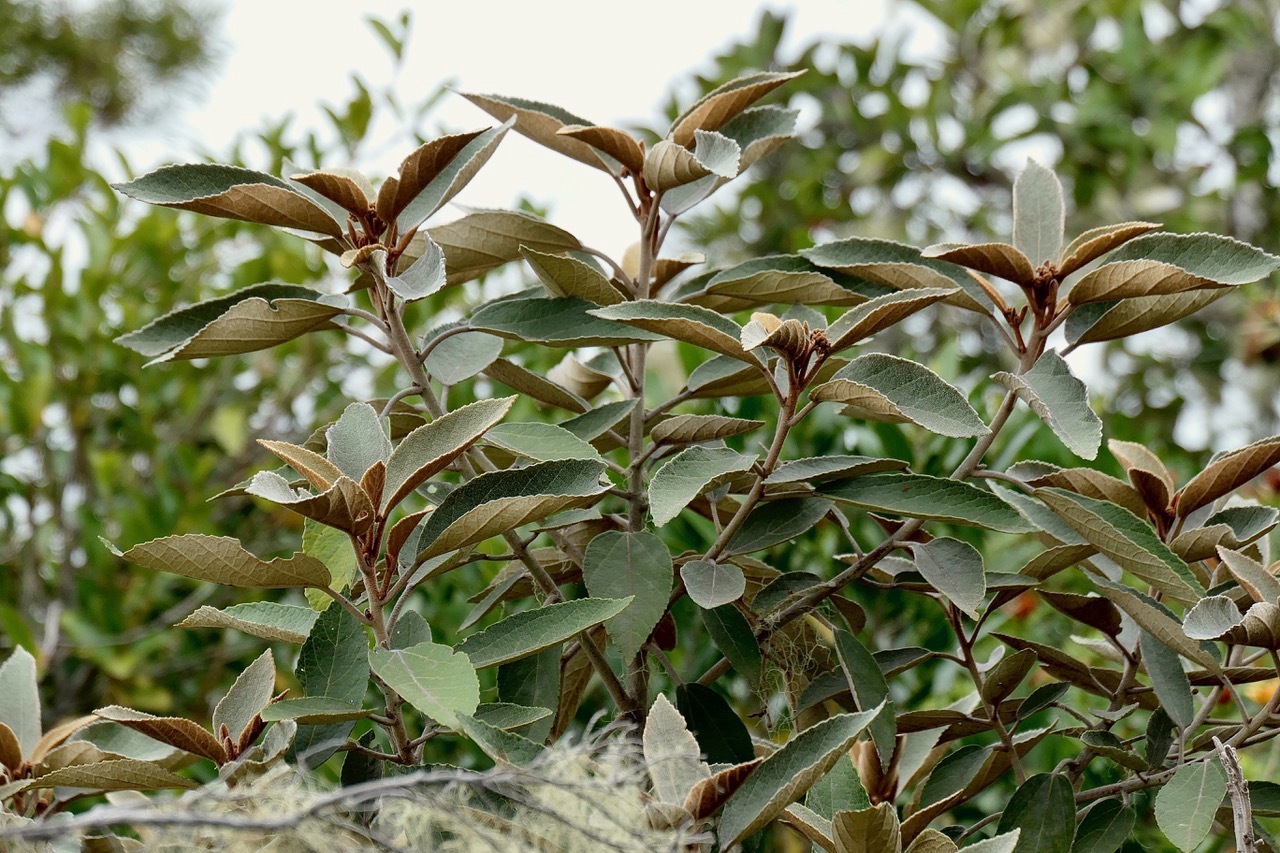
{"x": 121, "y": 774}
{"x": 1217, "y": 258}
{"x": 734, "y": 638}
{"x": 781, "y": 279}
{"x": 313, "y": 710}
{"x": 20, "y": 699}
{"x": 839, "y": 791}
{"x": 357, "y": 440}
{"x": 460, "y": 356}
{"x": 932, "y": 841}
{"x": 233, "y": 193}
{"x": 1129, "y": 279}
{"x": 787, "y": 774}
{"x": 954, "y": 773}
{"x": 671, "y": 754}
{"x": 485, "y": 240}
{"x": 1125, "y": 538}
{"x": 541, "y": 442}
{"x": 1160, "y": 737}
{"x": 570, "y": 277}
{"x": 1004, "y": 843}
{"x": 1044, "y": 808}
{"x": 1211, "y": 617}
{"x": 1157, "y": 620}
{"x": 874, "y": 829}
{"x": 936, "y": 498}
{"x": 1250, "y": 574}
{"x": 504, "y": 500}
{"x": 955, "y": 569}
{"x": 170, "y": 332}
{"x": 692, "y": 324}
{"x": 223, "y": 560}
{"x": 502, "y": 746}
{"x": 720, "y": 105}
{"x": 776, "y": 522}
{"x": 1060, "y": 400}
{"x": 1186, "y": 805}
{"x": 1096, "y": 242}
{"x": 250, "y": 693}
{"x": 334, "y": 661}
{"x": 688, "y": 474}
{"x": 435, "y": 173}
{"x": 693, "y": 429}
{"x": 559, "y": 322}
{"x": 870, "y": 690}
{"x": 427, "y": 450}
{"x": 711, "y": 584}
{"x": 720, "y": 732}
{"x": 1105, "y": 321}
{"x": 269, "y": 620}
{"x": 507, "y": 716}
{"x": 595, "y": 423}
{"x": 899, "y": 266}
{"x": 532, "y": 681}
{"x": 1005, "y": 676}
{"x": 541, "y": 389}
{"x": 886, "y": 387}
{"x": 530, "y": 631}
{"x": 435, "y": 679}
{"x": 333, "y": 548}
{"x": 423, "y": 277}
{"x": 542, "y": 123}
{"x": 1105, "y": 827}
{"x": 817, "y": 469}
{"x": 1226, "y": 473}
{"x": 1039, "y": 217}
{"x": 630, "y": 565}
{"x": 882, "y": 312}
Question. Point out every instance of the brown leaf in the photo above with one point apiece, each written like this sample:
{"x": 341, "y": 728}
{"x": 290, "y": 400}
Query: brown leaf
{"x": 419, "y": 169}
{"x": 543, "y": 391}
{"x": 719, "y": 106}
{"x": 122, "y": 774}
{"x": 1094, "y": 484}
{"x": 59, "y": 733}
{"x": 339, "y": 188}
{"x": 1128, "y": 279}
{"x": 222, "y": 559}
{"x": 10, "y": 749}
{"x": 709, "y": 794}
{"x": 1227, "y": 473}
{"x": 320, "y": 472}
{"x": 175, "y": 731}
{"x": 618, "y": 144}
{"x": 1133, "y": 456}
{"x": 541, "y": 123}
{"x": 1096, "y": 242}
{"x": 998, "y": 259}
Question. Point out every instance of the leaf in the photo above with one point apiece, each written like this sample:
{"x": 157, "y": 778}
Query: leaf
{"x": 882, "y": 312}
{"x": 1157, "y": 620}
{"x": 900, "y": 267}
{"x": 711, "y": 584}
{"x": 333, "y": 548}
{"x": 780, "y": 279}
{"x": 121, "y": 774}
{"x": 507, "y": 716}
{"x": 810, "y": 824}
{"x": 1060, "y": 400}
{"x": 922, "y": 496}
{"x": 701, "y": 327}
{"x": 1125, "y": 538}
{"x": 788, "y": 773}
{"x": 955, "y": 569}
{"x": 499, "y": 501}
{"x": 314, "y": 711}
{"x": 838, "y": 791}
{"x": 175, "y": 731}
{"x": 668, "y": 165}
{"x": 1128, "y": 279}
{"x": 531, "y": 631}
{"x": 671, "y": 754}
{"x": 333, "y": 664}
{"x": 223, "y": 560}
{"x": 1092, "y": 483}
{"x": 233, "y": 193}
{"x": 870, "y": 690}
{"x": 1105, "y": 321}
{"x": 1092, "y": 610}
{"x": 344, "y": 505}
{"x": 619, "y": 145}
{"x": 1096, "y": 242}
{"x": 559, "y": 322}
{"x": 1105, "y": 827}
{"x": 423, "y": 277}
{"x": 357, "y": 440}
{"x": 249, "y": 319}
{"x": 487, "y": 239}
{"x": 531, "y": 681}
{"x": 932, "y": 841}
{"x": 427, "y": 450}
{"x": 817, "y": 469}
{"x": 893, "y": 388}
{"x": 1221, "y": 259}
{"x": 775, "y": 522}
{"x": 688, "y": 474}
{"x": 1044, "y": 808}
{"x": 1260, "y": 583}
{"x": 10, "y": 750}
{"x": 435, "y": 173}
{"x": 692, "y": 429}
{"x": 630, "y": 565}
{"x": 542, "y": 123}
{"x": 722, "y": 104}
{"x": 249, "y": 694}
{"x": 1226, "y": 473}
{"x": 435, "y": 679}
{"x": 1211, "y": 617}
{"x": 541, "y": 442}
{"x": 565, "y": 276}
{"x": 502, "y": 746}
{"x": 871, "y": 830}
{"x": 732, "y": 635}
{"x": 595, "y": 423}
{"x": 1005, "y": 676}
{"x": 720, "y": 732}
{"x": 953, "y": 774}
{"x": 459, "y": 356}
{"x": 1039, "y": 216}
{"x": 998, "y": 259}
{"x": 1004, "y": 843}
{"x": 320, "y": 472}
{"x": 1186, "y": 805}
{"x": 269, "y": 620}
{"x": 20, "y": 699}
{"x": 342, "y": 189}
{"x": 539, "y": 388}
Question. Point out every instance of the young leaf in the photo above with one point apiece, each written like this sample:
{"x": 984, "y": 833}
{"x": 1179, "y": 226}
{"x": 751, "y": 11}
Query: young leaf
{"x": 698, "y": 326}
{"x": 559, "y": 322}
{"x": 1260, "y": 583}
{"x": 542, "y": 123}
{"x": 694, "y": 429}
{"x": 20, "y": 699}
{"x": 249, "y": 694}
{"x": 688, "y": 474}
{"x": 711, "y": 584}
{"x": 426, "y": 451}
{"x": 175, "y": 731}
{"x": 708, "y": 795}
{"x": 998, "y": 259}
{"x": 1186, "y": 805}
{"x": 223, "y": 560}
{"x": 1128, "y": 279}
{"x": 634, "y": 565}
{"x": 320, "y": 472}
{"x": 1044, "y": 809}
{"x": 485, "y": 240}
{"x": 668, "y": 165}
{"x": 566, "y": 276}
{"x": 346, "y": 189}
{"x": 357, "y": 440}
{"x": 932, "y": 841}
{"x": 1060, "y": 400}
{"x": 874, "y": 829}
{"x": 435, "y": 173}
{"x": 1226, "y": 473}
{"x": 922, "y": 496}
{"x": 893, "y": 388}
{"x": 1096, "y": 242}
{"x": 344, "y": 505}
{"x": 1039, "y": 217}
{"x": 882, "y": 312}
{"x": 609, "y": 141}
{"x": 719, "y": 106}
{"x": 671, "y": 754}
{"x": 1105, "y": 827}
{"x": 504, "y": 500}
{"x": 720, "y": 732}
{"x": 435, "y": 679}
{"x": 531, "y": 631}
{"x": 422, "y": 277}
{"x": 234, "y": 193}
{"x": 955, "y": 569}
{"x": 788, "y": 773}
{"x": 269, "y": 620}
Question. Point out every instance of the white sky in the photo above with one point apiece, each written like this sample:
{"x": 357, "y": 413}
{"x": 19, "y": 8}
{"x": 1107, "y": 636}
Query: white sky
{"x": 584, "y": 55}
